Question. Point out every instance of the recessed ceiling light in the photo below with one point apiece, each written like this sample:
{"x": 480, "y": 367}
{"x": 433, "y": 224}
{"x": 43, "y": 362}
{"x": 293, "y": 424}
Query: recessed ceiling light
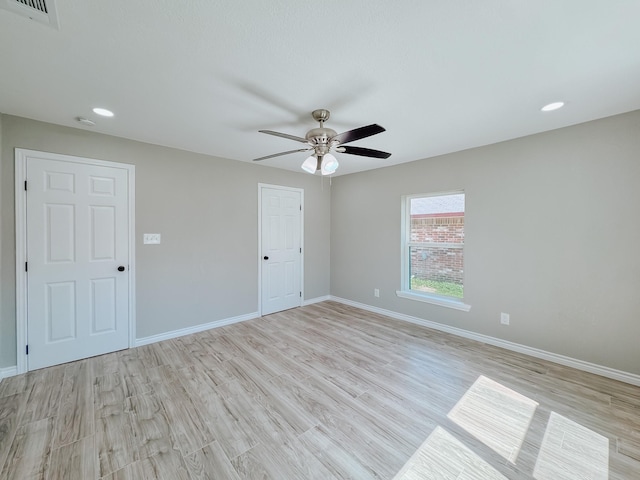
{"x": 552, "y": 106}
{"x": 85, "y": 121}
{"x": 103, "y": 111}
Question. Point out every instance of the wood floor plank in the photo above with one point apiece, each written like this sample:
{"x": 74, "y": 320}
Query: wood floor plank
{"x": 74, "y": 461}
{"x": 134, "y": 372}
{"x": 163, "y": 374}
{"x": 152, "y": 356}
{"x": 13, "y": 385}
{"x": 163, "y": 466}
{"x": 108, "y": 395}
{"x": 29, "y": 451}
{"x": 115, "y": 443}
{"x": 185, "y": 415}
{"x": 149, "y": 425}
{"x": 326, "y": 391}
{"x": 210, "y": 463}
{"x": 43, "y": 398}
{"x": 104, "y": 364}
{"x": 233, "y": 432}
{"x": 334, "y": 457}
{"x": 75, "y": 411}
{"x": 221, "y": 346}
{"x": 630, "y": 448}
{"x": 198, "y": 353}
{"x": 262, "y": 391}
{"x": 444, "y": 456}
{"x": 281, "y": 461}
{"x": 11, "y": 408}
{"x": 257, "y": 464}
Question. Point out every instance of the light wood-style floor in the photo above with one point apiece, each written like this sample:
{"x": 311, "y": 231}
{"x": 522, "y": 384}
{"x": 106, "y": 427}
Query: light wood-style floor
{"x": 325, "y": 392}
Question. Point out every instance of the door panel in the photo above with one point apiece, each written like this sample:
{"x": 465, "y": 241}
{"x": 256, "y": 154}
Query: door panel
{"x": 281, "y": 243}
{"x": 77, "y": 237}
{"x": 103, "y": 233}
{"x": 60, "y": 308}
{"x": 103, "y": 305}
{"x": 60, "y": 228}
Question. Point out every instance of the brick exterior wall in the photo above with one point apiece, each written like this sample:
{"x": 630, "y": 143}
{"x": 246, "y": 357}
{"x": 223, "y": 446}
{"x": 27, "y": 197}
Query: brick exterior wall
{"x": 445, "y": 264}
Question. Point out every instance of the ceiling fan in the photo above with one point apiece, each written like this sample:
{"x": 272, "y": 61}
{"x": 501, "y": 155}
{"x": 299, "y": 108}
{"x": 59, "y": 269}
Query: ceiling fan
{"x": 322, "y": 141}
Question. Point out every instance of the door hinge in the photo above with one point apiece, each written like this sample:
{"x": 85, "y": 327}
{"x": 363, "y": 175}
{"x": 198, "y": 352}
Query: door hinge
{"x": 27, "y": 349}
{"x": 300, "y": 249}
{"x": 25, "y": 185}
{"x": 26, "y": 266}
{"x": 300, "y": 294}
{"x": 300, "y": 207}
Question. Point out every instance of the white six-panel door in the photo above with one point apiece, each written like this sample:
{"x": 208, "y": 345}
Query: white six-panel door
{"x": 281, "y": 249}
{"x": 77, "y": 235}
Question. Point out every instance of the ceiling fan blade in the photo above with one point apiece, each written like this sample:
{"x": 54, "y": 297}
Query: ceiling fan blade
{"x": 284, "y": 135}
{"x": 282, "y": 153}
{"x": 358, "y": 133}
{"x": 364, "y": 152}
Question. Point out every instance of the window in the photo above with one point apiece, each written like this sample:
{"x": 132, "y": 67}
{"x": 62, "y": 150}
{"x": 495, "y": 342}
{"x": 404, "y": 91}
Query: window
{"x": 433, "y": 249}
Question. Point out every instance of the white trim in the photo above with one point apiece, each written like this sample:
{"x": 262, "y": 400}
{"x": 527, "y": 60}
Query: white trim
{"x": 21, "y": 255}
{"x": 435, "y": 300}
{"x": 21, "y": 156}
{"x": 612, "y": 373}
{"x": 131, "y": 188}
{"x": 8, "y": 372}
{"x": 291, "y": 189}
{"x": 311, "y": 301}
{"x": 195, "y": 329}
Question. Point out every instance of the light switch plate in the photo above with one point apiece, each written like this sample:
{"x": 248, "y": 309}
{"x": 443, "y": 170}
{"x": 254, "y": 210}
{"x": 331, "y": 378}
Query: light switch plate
{"x": 151, "y": 238}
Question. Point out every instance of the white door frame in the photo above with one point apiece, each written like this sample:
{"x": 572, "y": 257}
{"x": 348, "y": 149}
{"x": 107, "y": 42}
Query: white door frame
{"x": 21, "y": 156}
{"x": 260, "y": 262}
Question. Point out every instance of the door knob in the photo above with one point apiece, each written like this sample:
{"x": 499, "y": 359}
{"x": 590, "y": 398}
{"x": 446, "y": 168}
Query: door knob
{"x": 266, "y": 258}
{"x": 121, "y": 268}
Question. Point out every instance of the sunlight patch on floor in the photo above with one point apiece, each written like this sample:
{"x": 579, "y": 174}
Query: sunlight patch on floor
{"x": 570, "y": 451}
{"x": 442, "y": 456}
{"x": 495, "y": 415}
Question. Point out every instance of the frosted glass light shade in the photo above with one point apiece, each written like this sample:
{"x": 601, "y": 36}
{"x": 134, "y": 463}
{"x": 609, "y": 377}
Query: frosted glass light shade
{"x": 329, "y": 164}
{"x": 310, "y": 164}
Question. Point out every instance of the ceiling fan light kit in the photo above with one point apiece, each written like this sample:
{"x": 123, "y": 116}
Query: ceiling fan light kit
{"x": 329, "y": 164}
{"x": 322, "y": 141}
{"x": 310, "y": 165}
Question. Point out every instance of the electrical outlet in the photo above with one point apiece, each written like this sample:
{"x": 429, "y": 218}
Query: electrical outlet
{"x": 151, "y": 238}
{"x": 376, "y": 292}
{"x": 504, "y": 318}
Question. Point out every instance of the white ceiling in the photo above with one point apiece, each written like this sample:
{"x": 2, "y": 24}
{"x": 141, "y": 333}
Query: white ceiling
{"x": 440, "y": 76}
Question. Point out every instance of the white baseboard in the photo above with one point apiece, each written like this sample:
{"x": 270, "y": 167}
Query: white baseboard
{"x": 620, "y": 375}
{"x": 311, "y": 301}
{"x": 8, "y": 372}
{"x": 195, "y": 329}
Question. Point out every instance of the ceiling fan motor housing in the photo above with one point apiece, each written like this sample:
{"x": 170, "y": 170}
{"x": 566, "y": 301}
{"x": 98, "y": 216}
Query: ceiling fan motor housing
{"x": 320, "y": 136}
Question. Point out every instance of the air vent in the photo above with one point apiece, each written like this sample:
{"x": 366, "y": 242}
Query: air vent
{"x": 43, "y": 11}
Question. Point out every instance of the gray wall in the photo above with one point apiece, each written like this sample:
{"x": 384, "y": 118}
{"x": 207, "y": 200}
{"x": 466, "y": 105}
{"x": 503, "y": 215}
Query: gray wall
{"x": 206, "y": 210}
{"x": 552, "y": 229}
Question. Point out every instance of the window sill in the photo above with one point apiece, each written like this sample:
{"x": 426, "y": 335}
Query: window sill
{"x": 435, "y": 300}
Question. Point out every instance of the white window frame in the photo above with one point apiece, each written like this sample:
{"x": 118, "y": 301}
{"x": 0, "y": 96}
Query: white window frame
{"x": 405, "y": 283}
